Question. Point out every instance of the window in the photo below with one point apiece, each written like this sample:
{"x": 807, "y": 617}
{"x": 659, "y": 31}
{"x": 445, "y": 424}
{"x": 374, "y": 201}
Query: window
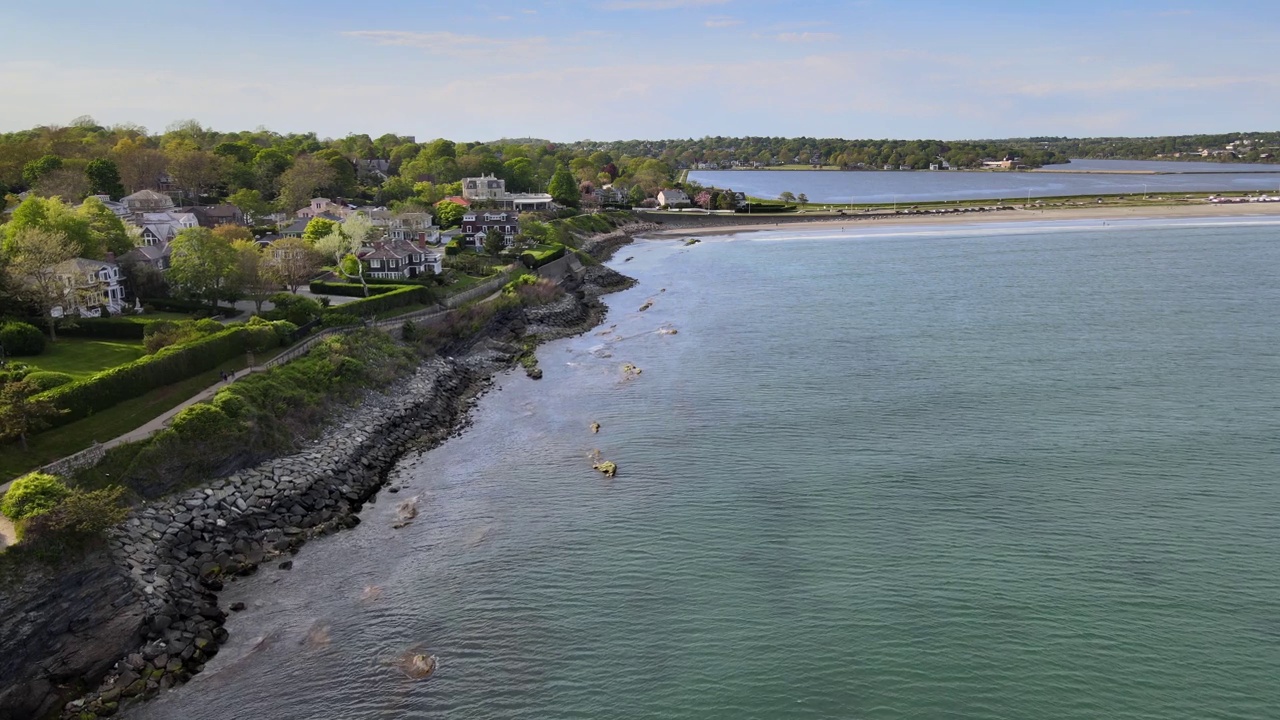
{"x": 375, "y": 263}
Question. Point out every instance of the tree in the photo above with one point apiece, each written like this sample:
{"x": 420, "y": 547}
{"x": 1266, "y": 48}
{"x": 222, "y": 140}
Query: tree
{"x": 319, "y": 227}
{"x": 140, "y": 166}
{"x": 268, "y": 165}
{"x": 253, "y": 272}
{"x": 105, "y": 227}
{"x": 66, "y": 183}
{"x": 104, "y": 178}
{"x": 532, "y": 230}
{"x": 194, "y": 170}
{"x": 343, "y": 245}
{"x": 299, "y": 183}
{"x": 494, "y": 241}
{"x": 563, "y": 188}
{"x": 518, "y": 172}
{"x": 250, "y": 203}
{"x": 802, "y": 199}
{"x": 293, "y": 262}
{"x": 787, "y": 197}
{"x": 36, "y": 169}
{"x": 202, "y": 264}
{"x": 449, "y": 213}
{"x": 233, "y": 233}
{"x": 727, "y": 201}
{"x": 636, "y": 195}
{"x": 32, "y": 255}
{"x": 703, "y": 200}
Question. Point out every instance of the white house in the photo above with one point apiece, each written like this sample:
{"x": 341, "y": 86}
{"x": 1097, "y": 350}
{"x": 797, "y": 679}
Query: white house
{"x": 415, "y": 227}
{"x": 161, "y": 228}
{"x": 673, "y": 198}
{"x": 90, "y": 287}
{"x": 487, "y": 187}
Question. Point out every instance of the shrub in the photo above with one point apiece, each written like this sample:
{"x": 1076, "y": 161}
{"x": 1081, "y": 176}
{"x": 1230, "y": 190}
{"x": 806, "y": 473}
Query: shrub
{"x": 538, "y": 257}
{"x": 294, "y": 308}
{"x": 47, "y": 380}
{"x": 203, "y": 420}
{"x": 80, "y": 514}
{"x": 540, "y": 292}
{"x": 32, "y": 494}
{"x": 453, "y": 247}
{"x": 163, "y": 333}
{"x": 339, "y": 319}
{"x": 171, "y": 364}
{"x": 19, "y": 338}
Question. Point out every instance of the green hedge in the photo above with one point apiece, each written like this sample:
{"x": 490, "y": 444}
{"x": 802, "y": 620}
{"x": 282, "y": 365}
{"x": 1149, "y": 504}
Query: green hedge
{"x": 187, "y": 306}
{"x": 352, "y": 289}
{"x": 533, "y": 259}
{"x": 401, "y": 296}
{"x": 452, "y": 248}
{"x": 170, "y": 365}
{"x": 108, "y": 328}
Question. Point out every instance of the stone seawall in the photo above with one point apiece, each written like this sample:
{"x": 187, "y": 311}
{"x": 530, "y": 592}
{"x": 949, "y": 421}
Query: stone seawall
{"x": 146, "y": 616}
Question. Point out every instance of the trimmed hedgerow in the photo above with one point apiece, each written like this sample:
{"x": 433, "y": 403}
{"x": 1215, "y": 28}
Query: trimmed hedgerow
{"x": 351, "y": 289}
{"x": 169, "y": 365}
{"x": 401, "y": 296}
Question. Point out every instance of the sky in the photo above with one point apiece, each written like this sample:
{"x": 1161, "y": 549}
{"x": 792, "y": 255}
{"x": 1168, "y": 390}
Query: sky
{"x": 646, "y": 69}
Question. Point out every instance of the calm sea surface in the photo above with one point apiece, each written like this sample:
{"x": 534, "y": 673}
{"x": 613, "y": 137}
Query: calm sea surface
{"x": 1005, "y": 473}
{"x": 829, "y": 186}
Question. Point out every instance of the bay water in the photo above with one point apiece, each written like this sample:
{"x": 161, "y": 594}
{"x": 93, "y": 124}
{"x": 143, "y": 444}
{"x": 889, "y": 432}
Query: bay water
{"x": 1080, "y": 177}
{"x": 1015, "y": 472}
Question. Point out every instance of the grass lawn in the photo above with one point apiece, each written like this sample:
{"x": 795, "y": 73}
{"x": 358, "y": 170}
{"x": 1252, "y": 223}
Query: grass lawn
{"x": 466, "y": 282}
{"x": 113, "y": 422}
{"x": 82, "y": 357}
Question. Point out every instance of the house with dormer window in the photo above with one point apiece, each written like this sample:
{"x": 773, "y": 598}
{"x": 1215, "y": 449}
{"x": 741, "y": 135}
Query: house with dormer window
{"x": 477, "y": 224}
{"x": 91, "y": 288}
{"x": 400, "y": 259}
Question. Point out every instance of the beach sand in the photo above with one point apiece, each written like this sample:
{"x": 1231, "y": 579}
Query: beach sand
{"x": 1074, "y": 214}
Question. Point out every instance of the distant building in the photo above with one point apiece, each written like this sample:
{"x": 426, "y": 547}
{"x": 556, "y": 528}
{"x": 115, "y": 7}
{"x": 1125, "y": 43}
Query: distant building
{"x": 119, "y": 208}
{"x": 486, "y": 187}
{"x": 415, "y": 227}
{"x": 91, "y": 287}
{"x": 1008, "y": 163}
{"x": 673, "y": 198}
{"x": 212, "y": 216}
{"x": 397, "y": 259}
{"x": 162, "y": 227}
{"x": 145, "y": 201}
{"x": 477, "y": 224}
{"x": 324, "y": 206}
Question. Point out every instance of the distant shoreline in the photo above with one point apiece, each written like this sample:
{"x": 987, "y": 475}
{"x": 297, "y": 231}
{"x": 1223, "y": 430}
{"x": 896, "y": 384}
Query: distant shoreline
{"x": 1101, "y": 214}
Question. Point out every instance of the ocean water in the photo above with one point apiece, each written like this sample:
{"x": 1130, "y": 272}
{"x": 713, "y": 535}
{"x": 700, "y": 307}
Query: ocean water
{"x": 988, "y": 473}
{"x": 876, "y": 186}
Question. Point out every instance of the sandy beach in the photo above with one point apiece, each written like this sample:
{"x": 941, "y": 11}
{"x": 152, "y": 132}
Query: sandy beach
{"x": 1100, "y": 214}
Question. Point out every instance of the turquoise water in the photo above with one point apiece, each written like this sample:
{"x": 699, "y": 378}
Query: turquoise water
{"x": 976, "y": 473}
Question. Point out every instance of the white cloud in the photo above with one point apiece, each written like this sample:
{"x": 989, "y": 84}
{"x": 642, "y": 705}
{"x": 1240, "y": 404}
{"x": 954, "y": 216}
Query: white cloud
{"x": 807, "y": 37}
{"x": 657, "y": 4}
{"x": 720, "y": 21}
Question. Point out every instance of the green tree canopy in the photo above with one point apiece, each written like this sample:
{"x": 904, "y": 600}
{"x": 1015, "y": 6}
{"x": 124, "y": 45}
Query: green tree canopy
{"x": 34, "y": 170}
{"x": 449, "y": 214}
{"x": 563, "y": 188}
{"x": 202, "y": 264}
{"x": 104, "y": 178}
{"x": 318, "y": 228}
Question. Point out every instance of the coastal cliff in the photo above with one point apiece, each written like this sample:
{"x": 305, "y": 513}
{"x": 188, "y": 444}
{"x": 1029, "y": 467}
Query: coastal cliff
{"x": 144, "y": 614}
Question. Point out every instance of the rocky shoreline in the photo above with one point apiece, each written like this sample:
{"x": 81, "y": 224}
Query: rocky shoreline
{"x": 145, "y": 615}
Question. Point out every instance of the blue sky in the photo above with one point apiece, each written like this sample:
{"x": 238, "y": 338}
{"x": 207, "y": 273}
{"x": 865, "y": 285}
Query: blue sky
{"x": 621, "y": 69}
